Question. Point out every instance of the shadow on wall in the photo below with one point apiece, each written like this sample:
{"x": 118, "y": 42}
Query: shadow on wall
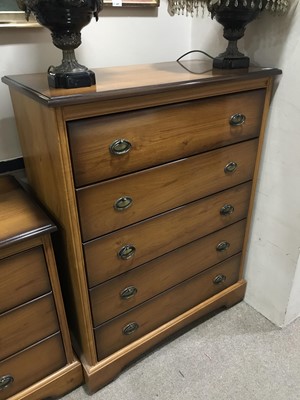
{"x": 266, "y": 38}
{"x": 8, "y": 139}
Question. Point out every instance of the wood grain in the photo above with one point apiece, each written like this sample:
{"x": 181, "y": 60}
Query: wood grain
{"x": 30, "y": 313}
{"x": 24, "y": 276}
{"x": 19, "y": 215}
{"x": 158, "y": 135}
{"x": 167, "y": 186}
{"x": 158, "y": 275}
{"x": 42, "y": 116}
{"x": 23, "y": 326}
{"x": 157, "y": 311}
{"x": 48, "y": 169}
{"x": 25, "y": 369}
{"x": 195, "y": 220}
{"x": 107, "y": 369}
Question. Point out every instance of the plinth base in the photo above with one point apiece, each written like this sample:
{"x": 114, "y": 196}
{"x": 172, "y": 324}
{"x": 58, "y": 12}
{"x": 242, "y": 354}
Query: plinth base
{"x": 231, "y": 62}
{"x": 68, "y": 80}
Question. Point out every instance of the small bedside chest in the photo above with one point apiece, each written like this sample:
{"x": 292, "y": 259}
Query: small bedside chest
{"x": 36, "y": 357}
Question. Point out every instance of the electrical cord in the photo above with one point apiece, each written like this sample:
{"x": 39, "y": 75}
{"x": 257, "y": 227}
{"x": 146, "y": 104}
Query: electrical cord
{"x": 189, "y": 52}
{"x": 195, "y": 51}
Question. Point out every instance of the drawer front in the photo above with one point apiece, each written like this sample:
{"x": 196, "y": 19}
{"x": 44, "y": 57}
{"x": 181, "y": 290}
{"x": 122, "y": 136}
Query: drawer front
{"x": 27, "y": 324}
{"x": 141, "y": 320}
{"x": 157, "y": 236}
{"x": 24, "y": 276}
{"x": 104, "y": 207}
{"x": 31, "y": 365}
{"x": 130, "y": 289}
{"x": 153, "y": 136}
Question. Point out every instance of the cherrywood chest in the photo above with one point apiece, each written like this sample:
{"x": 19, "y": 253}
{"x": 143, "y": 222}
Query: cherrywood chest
{"x": 150, "y": 176}
{"x": 36, "y": 356}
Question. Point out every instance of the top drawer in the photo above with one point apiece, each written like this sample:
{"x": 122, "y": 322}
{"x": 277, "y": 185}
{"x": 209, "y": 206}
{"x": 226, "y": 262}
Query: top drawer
{"x": 24, "y": 276}
{"x": 159, "y": 135}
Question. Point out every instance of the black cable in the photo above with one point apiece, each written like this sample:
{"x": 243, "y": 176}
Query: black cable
{"x": 189, "y": 52}
{"x": 194, "y": 51}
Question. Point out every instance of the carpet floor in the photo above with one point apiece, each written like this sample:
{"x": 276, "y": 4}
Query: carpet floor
{"x": 235, "y": 355}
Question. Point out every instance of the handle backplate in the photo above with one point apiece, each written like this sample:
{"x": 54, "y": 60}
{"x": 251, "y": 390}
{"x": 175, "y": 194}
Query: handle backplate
{"x": 222, "y": 246}
{"x": 123, "y": 203}
{"x": 230, "y": 167}
{"x": 128, "y": 292}
{"x": 130, "y": 328}
{"x": 227, "y": 209}
{"x": 127, "y": 252}
{"x": 120, "y": 147}
{"x": 237, "y": 119}
{"x": 5, "y": 381}
{"x": 219, "y": 279}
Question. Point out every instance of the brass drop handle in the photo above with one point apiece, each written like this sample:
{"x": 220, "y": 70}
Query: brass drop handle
{"x": 128, "y": 292}
{"x": 123, "y": 203}
{"x": 120, "y": 147}
{"x": 127, "y": 252}
{"x": 227, "y": 209}
{"x": 237, "y": 119}
{"x": 219, "y": 279}
{"x": 5, "y": 381}
{"x": 230, "y": 167}
{"x": 130, "y": 328}
{"x": 222, "y": 246}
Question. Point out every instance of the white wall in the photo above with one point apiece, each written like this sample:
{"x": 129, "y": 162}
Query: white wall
{"x": 273, "y": 264}
{"x": 130, "y": 36}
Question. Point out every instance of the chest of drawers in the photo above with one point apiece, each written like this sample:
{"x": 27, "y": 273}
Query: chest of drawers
{"x": 151, "y": 179}
{"x": 36, "y": 357}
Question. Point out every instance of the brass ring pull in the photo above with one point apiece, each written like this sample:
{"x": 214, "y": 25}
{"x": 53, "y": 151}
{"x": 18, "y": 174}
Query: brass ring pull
{"x": 123, "y": 203}
{"x": 130, "y": 328}
{"x": 222, "y": 246}
{"x": 5, "y": 381}
{"x": 126, "y": 252}
{"x": 237, "y": 119}
{"x": 227, "y": 209}
{"x": 230, "y": 167}
{"x": 120, "y": 147}
{"x": 219, "y": 279}
{"x": 128, "y": 292}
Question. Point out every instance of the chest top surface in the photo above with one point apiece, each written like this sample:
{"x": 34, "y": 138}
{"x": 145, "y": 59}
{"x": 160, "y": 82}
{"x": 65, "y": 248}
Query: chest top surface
{"x": 20, "y": 217}
{"x": 124, "y": 81}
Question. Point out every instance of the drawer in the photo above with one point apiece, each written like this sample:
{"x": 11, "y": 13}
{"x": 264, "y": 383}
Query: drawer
{"x": 24, "y": 276}
{"x": 31, "y": 365}
{"x": 140, "y": 284}
{"x": 27, "y": 324}
{"x": 141, "y": 320}
{"x": 160, "y": 134}
{"x": 105, "y": 207}
{"x": 159, "y": 235}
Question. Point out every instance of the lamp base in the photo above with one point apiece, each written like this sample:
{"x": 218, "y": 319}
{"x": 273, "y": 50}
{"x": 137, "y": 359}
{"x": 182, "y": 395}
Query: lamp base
{"x": 72, "y": 79}
{"x": 231, "y": 62}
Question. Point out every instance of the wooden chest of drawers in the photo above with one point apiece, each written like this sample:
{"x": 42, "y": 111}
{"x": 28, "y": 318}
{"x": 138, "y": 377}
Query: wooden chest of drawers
{"x": 36, "y": 357}
{"x": 151, "y": 177}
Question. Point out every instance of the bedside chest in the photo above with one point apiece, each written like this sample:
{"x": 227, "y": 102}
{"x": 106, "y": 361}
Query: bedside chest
{"x": 36, "y": 357}
{"x": 151, "y": 177}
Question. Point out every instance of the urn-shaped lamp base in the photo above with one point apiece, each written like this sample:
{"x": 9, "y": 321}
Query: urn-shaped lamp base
{"x": 65, "y": 19}
{"x": 234, "y": 17}
{"x": 70, "y": 74}
{"x": 232, "y": 58}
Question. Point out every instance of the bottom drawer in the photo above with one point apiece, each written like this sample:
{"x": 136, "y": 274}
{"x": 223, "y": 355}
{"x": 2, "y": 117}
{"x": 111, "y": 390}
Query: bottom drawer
{"x": 31, "y": 365}
{"x": 142, "y": 319}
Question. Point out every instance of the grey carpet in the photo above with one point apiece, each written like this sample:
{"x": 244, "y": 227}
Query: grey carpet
{"x": 235, "y": 355}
